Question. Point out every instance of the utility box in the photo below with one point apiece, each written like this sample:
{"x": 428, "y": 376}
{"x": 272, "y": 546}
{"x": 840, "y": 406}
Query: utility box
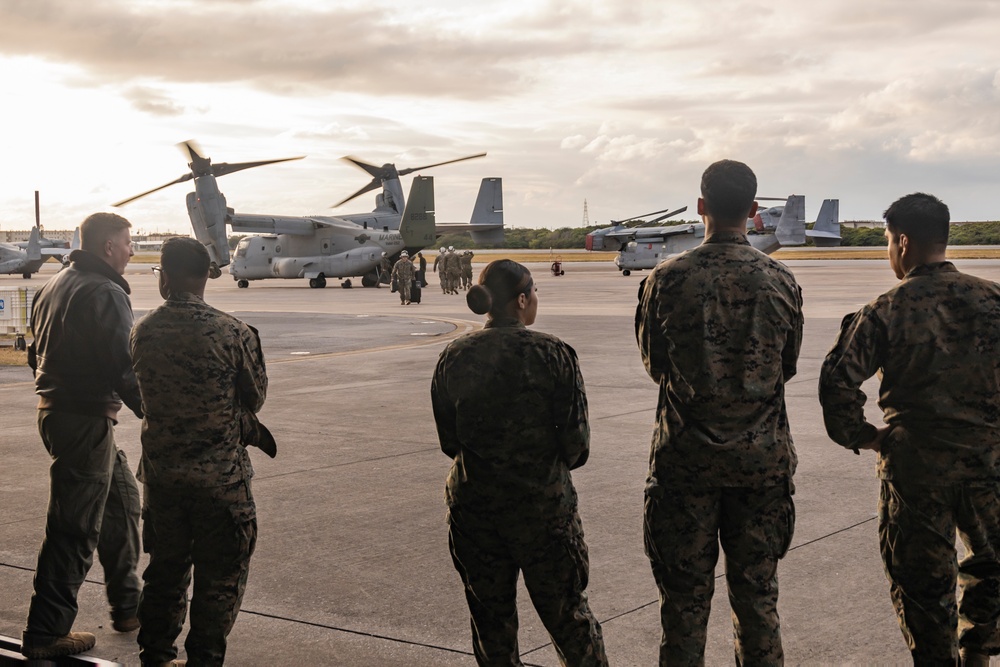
{"x": 15, "y": 310}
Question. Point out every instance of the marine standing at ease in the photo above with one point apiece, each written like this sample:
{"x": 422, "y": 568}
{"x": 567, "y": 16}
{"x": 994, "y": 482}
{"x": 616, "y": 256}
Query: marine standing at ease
{"x": 202, "y": 376}
{"x": 935, "y": 341}
{"x": 81, "y": 320}
{"x": 719, "y": 328}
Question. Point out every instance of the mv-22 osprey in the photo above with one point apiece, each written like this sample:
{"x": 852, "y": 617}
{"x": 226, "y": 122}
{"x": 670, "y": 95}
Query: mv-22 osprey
{"x": 641, "y": 246}
{"x": 318, "y": 247}
{"x": 27, "y": 258}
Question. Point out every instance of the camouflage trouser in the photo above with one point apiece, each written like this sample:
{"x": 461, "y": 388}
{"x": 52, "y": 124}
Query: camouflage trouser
{"x": 215, "y": 531}
{"x": 683, "y": 529}
{"x": 93, "y": 504}
{"x": 404, "y": 290}
{"x": 467, "y": 278}
{"x": 489, "y": 551}
{"x": 454, "y": 280}
{"x": 917, "y": 526}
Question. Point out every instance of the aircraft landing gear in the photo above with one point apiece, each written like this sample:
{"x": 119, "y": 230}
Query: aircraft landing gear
{"x": 243, "y": 284}
{"x": 319, "y": 282}
{"x": 347, "y": 284}
{"x": 19, "y": 343}
{"x": 626, "y": 272}
{"x": 369, "y": 280}
{"x": 26, "y": 276}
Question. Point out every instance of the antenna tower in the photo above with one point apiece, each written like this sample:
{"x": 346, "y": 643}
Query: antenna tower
{"x": 586, "y": 215}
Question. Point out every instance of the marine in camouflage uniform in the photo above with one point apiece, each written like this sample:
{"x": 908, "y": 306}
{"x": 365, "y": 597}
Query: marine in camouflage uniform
{"x": 453, "y": 269}
{"x": 719, "y": 329}
{"x": 511, "y": 503}
{"x": 403, "y": 273}
{"x": 442, "y": 275}
{"x": 202, "y": 377}
{"x": 934, "y": 340}
{"x": 465, "y": 261}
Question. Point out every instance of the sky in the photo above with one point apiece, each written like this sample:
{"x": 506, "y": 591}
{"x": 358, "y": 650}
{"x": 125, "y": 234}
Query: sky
{"x": 619, "y": 104}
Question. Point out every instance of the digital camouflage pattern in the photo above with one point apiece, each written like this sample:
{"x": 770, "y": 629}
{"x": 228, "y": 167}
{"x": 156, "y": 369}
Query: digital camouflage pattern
{"x": 682, "y": 532}
{"x": 199, "y": 370}
{"x": 935, "y": 341}
{"x": 719, "y": 328}
{"x": 511, "y": 412}
{"x": 403, "y": 274}
{"x": 201, "y": 373}
{"x": 917, "y": 526}
{"x": 465, "y": 262}
{"x": 453, "y": 269}
{"x": 214, "y": 530}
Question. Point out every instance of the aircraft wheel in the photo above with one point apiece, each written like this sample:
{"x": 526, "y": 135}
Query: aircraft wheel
{"x": 347, "y": 284}
{"x": 26, "y": 276}
{"x": 20, "y": 344}
{"x": 626, "y": 272}
{"x": 369, "y": 280}
{"x": 321, "y": 282}
{"x": 242, "y": 284}
{"x": 313, "y": 283}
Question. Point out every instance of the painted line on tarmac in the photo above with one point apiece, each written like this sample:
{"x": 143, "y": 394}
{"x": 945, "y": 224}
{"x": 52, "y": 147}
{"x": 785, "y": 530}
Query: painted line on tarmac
{"x": 461, "y": 327}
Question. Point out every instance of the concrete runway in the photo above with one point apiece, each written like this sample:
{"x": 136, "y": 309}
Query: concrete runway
{"x": 352, "y": 563}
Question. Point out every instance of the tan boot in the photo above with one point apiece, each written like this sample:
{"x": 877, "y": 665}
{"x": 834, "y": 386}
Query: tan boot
{"x": 71, "y": 644}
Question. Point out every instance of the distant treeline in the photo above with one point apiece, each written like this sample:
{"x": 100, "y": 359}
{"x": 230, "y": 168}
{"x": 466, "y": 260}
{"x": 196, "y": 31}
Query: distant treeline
{"x": 972, "y": 233}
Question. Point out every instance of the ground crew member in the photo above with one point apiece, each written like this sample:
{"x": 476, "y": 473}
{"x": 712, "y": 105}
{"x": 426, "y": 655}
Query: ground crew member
{"x": 511, "y": 411}
{"x": 454, "y": 270}
{"x": 465, "y": 262}
{"x": 719, "y": 329}
{"x": 402, "y": 275}
{"x": 421, "y": 269}
{"x": 384, "y": 270}
{"x": 81, "y": 320}
{"x": 935, "y": 340}
{"x": 202, "y": 376}
{"x": 442, "y": 276}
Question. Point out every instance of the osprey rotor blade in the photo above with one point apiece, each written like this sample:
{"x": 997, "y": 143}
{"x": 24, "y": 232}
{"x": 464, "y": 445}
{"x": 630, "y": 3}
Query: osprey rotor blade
{"x": 185, "y": 177}
{"x": 410, "y": 170}
{"x": 375, "y": 184}
{"x": 668, "y": 215}
{"x": 224, "y": 168}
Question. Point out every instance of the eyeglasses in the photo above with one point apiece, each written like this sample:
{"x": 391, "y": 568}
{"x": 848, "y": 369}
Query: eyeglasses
{"x": 156, "y": 270}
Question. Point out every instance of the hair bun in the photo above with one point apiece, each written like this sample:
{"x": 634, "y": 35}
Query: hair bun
{"x": 480, "y": 299}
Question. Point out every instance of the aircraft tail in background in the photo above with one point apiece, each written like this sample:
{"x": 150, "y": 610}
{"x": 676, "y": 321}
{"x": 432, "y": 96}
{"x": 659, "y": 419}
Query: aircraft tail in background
{"x": 791, "y": 229}
{"x": 826, "y": 232}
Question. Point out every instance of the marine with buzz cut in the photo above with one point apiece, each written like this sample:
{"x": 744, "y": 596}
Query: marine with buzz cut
{"x": 202, "y": 377}
{"x": 934, "y": 341}
{"x": 719, "y": 329}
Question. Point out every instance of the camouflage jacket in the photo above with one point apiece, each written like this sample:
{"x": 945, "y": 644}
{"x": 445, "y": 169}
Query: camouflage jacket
{"x": 465, "y": 261}
{"x": 934, "y": 340}
{"x": 511, "y": 411}
{"x": 403, "y": 270}
{"x": 719, "y": 328}
{"x": 198, "y": 369}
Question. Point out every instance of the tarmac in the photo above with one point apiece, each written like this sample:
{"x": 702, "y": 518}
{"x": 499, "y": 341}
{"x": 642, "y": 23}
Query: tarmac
{"x": 352, "y": 564}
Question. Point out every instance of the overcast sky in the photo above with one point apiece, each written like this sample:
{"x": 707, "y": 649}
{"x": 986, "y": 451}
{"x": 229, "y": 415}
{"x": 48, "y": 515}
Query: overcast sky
{"x": 621, "y": 104}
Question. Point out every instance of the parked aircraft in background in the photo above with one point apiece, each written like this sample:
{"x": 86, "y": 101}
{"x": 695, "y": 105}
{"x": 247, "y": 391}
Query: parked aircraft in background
{"x": 643, "y": 247}
{"x": 318, "y": 247}
{"x": 27, "y": 257}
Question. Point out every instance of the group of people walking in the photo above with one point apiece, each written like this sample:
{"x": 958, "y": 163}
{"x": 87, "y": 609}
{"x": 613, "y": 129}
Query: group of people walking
{"x": 454, "y": 269}
{"x": 719, "y": 329}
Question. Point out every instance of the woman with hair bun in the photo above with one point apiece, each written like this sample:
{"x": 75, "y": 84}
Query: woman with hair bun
{"x": 511, "y": 412}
